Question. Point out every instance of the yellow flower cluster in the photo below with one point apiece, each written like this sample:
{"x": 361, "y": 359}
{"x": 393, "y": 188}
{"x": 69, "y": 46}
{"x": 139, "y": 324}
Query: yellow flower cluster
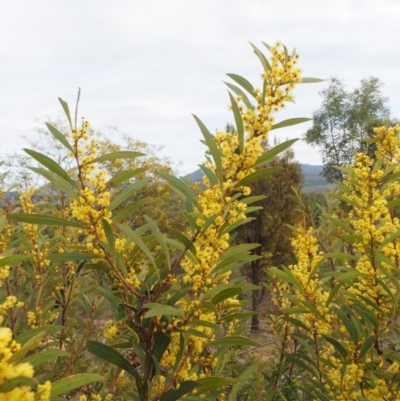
{"x": 9, "y": 370}
{"x": 39, "y": 248}
{"x": 110, "y": 331}
{"x": 216, "y": 202}
{"x": 371, "y": 218}
{"x": 91, "y": 206}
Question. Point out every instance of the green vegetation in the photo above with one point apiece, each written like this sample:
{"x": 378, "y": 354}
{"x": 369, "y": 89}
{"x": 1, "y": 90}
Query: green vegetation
{"x": 101, "y": 302}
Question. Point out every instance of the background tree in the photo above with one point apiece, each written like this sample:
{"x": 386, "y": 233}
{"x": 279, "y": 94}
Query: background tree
{"x": 157, "y": 196}
{"x": 270, "y": 225}
{"x": 344, "y": 120}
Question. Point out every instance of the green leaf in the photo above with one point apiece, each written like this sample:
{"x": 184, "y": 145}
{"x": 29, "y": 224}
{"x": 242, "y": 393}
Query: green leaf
{"x": 71, "y": 256}
{"x": 212, "y": 146}
{"x": 159, "y": 237}
{"x": 51, "y": 165}
{"x": 238, "y": 121}
{"x": 230, "y": 227}
{"x": 270, "y": 154}
{"x": 243, "y": 378}
{"x": 125, "y": 175}
{"x": 347, "y": 323}
{"x": 128, "y": 210}
{"x": 69, "y": 383}
{"x": 258, "y": 175}
{"x": 120, "y": 154}
{"x": 43, "y": 219}
{"x": 225, "y": 294}
{"x": 366, "y": 346}
{"x": 243, "y": 82}
{"x": 295, "y": 322}
{"x": 161, "y": 342}
{"x": 339, "y": 223}
{"x": 97, "y": 266}
{"x": 18, "y": 381}
{"x": 284, "y": 275}
{"x": 391, "y": 238}
{"x": 240, "y": 93}
{"x": 393, "y": 203}
{"x": 209, "y": 174}
{"x": 212, "y": 383}
{"x": 184, "y": 388}
{"x": 291, "y": 121}
{"x": 305, "y": 80}
{"x": 29, "y": 335}
{"x": 138, "y": 241}
{"x": 161, "y": 310}
{"x": 44, "y": 356}
{"x": 178, "y": 184}
{"x": 184, "y": 240}
{"x": 59, "y": 136}
{"x": 9, "y": 260}
{"x": 112, "y": 356}
{"x": 65, "y": 107}
{"x": 265, "y": 63}
{"x": 337, "y": 345}
{"x": 56, "y": 180}
{"x": 127, "y": 192}
{"x": 349, "y": 276}
{"x": 234, "y": 340}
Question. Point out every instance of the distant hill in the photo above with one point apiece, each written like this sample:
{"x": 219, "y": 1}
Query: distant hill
{"x": 311, "y": 173}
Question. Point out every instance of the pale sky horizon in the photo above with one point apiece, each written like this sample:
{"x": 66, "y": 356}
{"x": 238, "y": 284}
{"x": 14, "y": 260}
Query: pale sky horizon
{"x": 146, "y": 66}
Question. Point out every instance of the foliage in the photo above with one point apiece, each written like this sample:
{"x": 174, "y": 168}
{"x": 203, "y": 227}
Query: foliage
{"x": 157, "y": 197}
{"x": 175, "y": 314}
{"x": 344, "y": 121}
{"x": 338, "y": 328}
{"x": 272, "y": 216}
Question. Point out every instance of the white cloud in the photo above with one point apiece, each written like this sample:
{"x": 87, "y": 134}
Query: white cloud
{"x": 145, "y": 66}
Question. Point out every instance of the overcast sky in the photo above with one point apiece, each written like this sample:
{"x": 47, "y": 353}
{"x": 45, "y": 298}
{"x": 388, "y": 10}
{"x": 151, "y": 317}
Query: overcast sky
{"x": 146, "y": 66}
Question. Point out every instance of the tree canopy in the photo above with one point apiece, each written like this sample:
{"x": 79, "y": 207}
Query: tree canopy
{"x": 345, "y": 119}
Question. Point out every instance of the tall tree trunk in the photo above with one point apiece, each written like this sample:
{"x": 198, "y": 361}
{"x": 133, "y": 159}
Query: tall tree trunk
{"x": 256, "y": 296}
{"x": 255, "y": 320}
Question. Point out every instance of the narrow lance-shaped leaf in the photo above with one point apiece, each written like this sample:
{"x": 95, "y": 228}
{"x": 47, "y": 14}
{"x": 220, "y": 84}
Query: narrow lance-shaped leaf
{"x": 8, "y": 260}
{"x": 270, "y": 154}
{"x": 257, "y": 175}
{"x": 161, "y": 310}
{"x": 184, "y": 388}
{"x": 51, "y": 165}
{"x": 238, "y": 121}
{"x": 290, "y": 121}
{"x": 43, "y": 219}
{"x": 209, "y": 174}
{"x": 65, "y": 107}
{"x": 212, "y": 146}
{"x": 180, "y": 186}
{"x": 57, "y": 181}
{"x": 234, "y": 340}
{"x": 265, "y": 63}
{"x": 59, "y": 136}
{"x": 42, "y": 357}
{"x": 18, "y": 381}
{"x": 243, "y": 82}
{"x": 157, "y": 234}
{"x": 240, "y": 93}
{"x": 69, "y": 383}
{"x": 127, "y": 192}
{"x": 71, "y": 256}
{"x": 138, "y": 241}
{"x": 112, "y": 356}
{"x": 305, "y": 80}
{"x": 128, "y": 210}
{"x": 124, "y": 175}
{"x": 121, "y": 154}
